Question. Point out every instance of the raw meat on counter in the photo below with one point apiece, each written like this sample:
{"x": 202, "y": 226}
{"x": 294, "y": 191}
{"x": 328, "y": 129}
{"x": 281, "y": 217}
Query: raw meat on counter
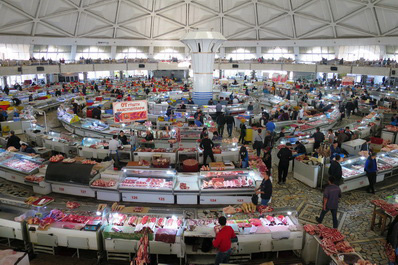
{"x": 387, "y": 207}
{"x": 147, "y": 183}
{"x": 56, "y": 158}
{"x": 72, "y": 205}
{"x": 69, "y": 160}
{"x": 34, "y": 178}
{"x": 350, "y": 173}
{"x": 103, "y": 183}
{"x": 389, "y": 147}
{"x": 382, "y": 166}
{"x": 221, "y": 183}
{"x": 21, "y": 165}
{"x": 89, "y": 162}
{"x": 184, "y": 186}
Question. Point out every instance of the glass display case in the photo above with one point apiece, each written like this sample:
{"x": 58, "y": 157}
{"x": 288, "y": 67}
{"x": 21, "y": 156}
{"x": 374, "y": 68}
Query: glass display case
{"x": 211, "y": 181}
{"x": 95, "y": 143}
{"x": 148, "y": 179}
{"x": 19, "y": 162}
{"x": 65, "y": 138}
{"x": 353, "y": 167}
{"x": 390, "y": 158}
{"x": 190, "y": 133}
{"x": 237, "y": 108}
{"x": 95, "y": 125}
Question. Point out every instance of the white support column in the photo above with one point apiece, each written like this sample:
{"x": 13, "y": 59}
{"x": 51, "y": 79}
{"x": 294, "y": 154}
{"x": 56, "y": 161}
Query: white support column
{"x": 113, "y": 52}
{"x": 73, "y": 52}
{"x": 383, "y": 51}
{"x": 296, "y": 51}
{"x": 203, "y": 46}
{"x": 336, "y": 51}
{"x": 258, "y": 52}
{"x": 31, "y": 51}
{"x": 222, "y": 52}
{"x": 150, "y": 52}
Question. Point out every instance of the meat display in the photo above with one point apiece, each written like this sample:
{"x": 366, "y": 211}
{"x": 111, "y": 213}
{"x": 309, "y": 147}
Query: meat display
{"x": 104, "y": 183}
{"x": 142, "y": 256}
{"x": 69, "y": 160}
{"x": 72, "y": 205}
{"x": 389, "y": 208}
{"x": 158, "y": 183}
{"x": 22, "y": 165}
{"x": 332, "y": 241}
{"x": 184, "y": 186}
{"x": 34, "y": 178}
{"x": 222, "y": 183}
{"x": 350, "y": 173}
{"x": 89, "y": 162}
{"x": 56, "y": 158}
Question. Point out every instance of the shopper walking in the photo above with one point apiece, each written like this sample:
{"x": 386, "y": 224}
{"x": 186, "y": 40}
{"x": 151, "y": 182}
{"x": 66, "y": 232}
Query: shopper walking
{"x": 221, "y": 124}
{"x": 319, "y": 137}
{"x": 258, "y": 142}
{"x": 331, "y": 197}
{"x": 230, "y": 120}
{"x": 335, "y": 169}
{"x": 207, "y": 145}
{"x": 218, "y": 109}
{"x": 113, "y": 151}
{"x": 223, "y": 241}
{"x": 371, "y": 172}
{"x": 284, "y": 155}
{"x": 242, "y": 132}
{"x": 265, "y": 189}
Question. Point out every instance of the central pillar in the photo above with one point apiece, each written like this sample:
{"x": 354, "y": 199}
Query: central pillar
{"x": 203, "y": 46}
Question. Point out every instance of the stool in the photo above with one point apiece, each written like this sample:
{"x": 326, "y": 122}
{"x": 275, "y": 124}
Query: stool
{"x": 382, "y": 220}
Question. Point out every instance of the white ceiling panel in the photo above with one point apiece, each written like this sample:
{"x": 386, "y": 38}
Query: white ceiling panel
{"x": 170, "y": 19}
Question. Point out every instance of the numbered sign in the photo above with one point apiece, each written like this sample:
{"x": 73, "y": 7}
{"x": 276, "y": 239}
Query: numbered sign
{"x": 145, "y": 197}
{"x": 224, "y": 199}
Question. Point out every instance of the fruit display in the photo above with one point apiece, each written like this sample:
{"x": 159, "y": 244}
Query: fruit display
{"x": 105, "y": 183}
{"x": 56, "y": 158}
{"x": 159, "y": 183}
{"x": 33, "y": 178}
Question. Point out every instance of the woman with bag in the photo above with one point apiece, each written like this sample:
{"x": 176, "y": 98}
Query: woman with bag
{"x": 258, "y": 142}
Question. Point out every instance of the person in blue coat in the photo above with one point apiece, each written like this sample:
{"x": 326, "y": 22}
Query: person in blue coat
{"x": 270, "y": 125}
{"x": 334, "y": 150}
{"x": 244, "y": 156}
{"x": 371, "y": 172}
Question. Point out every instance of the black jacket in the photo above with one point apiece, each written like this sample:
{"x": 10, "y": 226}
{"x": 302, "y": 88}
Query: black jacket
{"x": 221, "y": 120}
{"x": 96, "y": 113}
{"x": 350, "y": 105}
{"x": 266, "y": 187}
{"x": 123, "y": 139}
{"x": 285, "y": 155}
{"x": 318, "y": 137}
{"x": 229, "y": 119}
{"x": 301, "y": 149}
{"x": 207, "y": 145}
{"x": 335, "y": 171}
{"x": 14, "y": 141}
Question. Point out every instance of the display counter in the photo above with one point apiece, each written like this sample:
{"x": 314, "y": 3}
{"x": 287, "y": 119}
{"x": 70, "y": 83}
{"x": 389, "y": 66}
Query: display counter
{"x": 307, "y": 173}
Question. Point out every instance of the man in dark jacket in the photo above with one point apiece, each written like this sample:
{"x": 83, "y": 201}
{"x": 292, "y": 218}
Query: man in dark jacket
{"x": 230, "y": 124}
{"x": 207, "y": 145}
{"x": 335, "y": 170}
{"x": 300, "y": 148}
{"x": 221, "y": 124}
{"x": 284, "y": 155}
{"x": 331, "y": 197}
{"x": 25, "y": 148}
{"x": 14, "y": 141}
{"x": 349, "y": 108}
{"x": 97, "y": 113}
{"x": 319, "y": 137}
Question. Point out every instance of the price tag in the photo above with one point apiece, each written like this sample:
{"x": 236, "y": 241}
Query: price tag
{"x": 361, "y": 183}
{"x": 61, "y": 189}
{"x": 240, "y": 200}
{"x": 134, "y": 197}
{"x": 161, "y": 199}
{"x": 213, "y": 200}
{"x": 13, "y": 177}
{"x": 83, "y": 191}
